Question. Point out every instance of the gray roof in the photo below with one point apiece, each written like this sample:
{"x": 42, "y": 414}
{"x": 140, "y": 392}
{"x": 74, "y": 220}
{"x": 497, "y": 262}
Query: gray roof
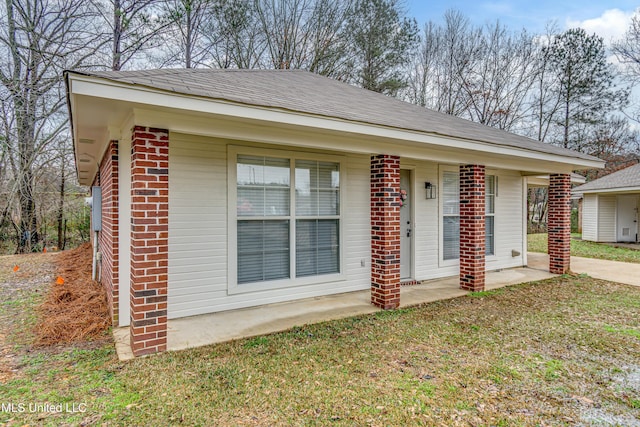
{"x": 624, "y": 178}
{"x": 305, "y": 92}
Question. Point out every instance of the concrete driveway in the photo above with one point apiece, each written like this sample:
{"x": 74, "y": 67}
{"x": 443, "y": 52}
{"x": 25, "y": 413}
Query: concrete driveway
{"x": 614, "y": 271}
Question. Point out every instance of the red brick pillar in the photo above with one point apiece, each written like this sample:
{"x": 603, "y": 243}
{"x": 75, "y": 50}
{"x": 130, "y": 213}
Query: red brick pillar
{"x": 110, "y": 229}
{"x": 559, "y": 223}
{"x": 149, "y": 239}
{"x": 472, "y": 227}
{"x": 385, "y": 231}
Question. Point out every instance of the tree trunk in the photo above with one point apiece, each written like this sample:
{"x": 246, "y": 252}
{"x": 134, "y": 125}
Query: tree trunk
{"x": 61, "y": 207}
{"x": 116, "y": 63}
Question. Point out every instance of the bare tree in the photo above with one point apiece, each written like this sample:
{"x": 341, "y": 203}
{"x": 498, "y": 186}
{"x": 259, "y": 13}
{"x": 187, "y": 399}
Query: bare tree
{"x": 134, "y": 27}
{"x": 627, "y": 50}
{"x": 284, "y": 29}
{"x": 545, "y": 97}
{"x": 185, "y": 40}
{"x": 502, "y": 74}
{"x": 327, "y": 43}
{"x": 446, "y": 57}
{"x": 235, "y": 34}
{"x": 42, "y": 39}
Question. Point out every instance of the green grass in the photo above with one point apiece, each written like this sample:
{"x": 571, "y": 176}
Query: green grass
{"x": 625, "y": 331}
{"x": 582, "y": 248}
{"x": 516, "y": 357}
{"x": 482, "y": 294}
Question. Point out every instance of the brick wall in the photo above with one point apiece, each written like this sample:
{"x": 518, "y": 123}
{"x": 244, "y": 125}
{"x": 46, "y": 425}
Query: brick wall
{"x": 559, "y": 223}
{"x": 149, "y": 239}
{"x": 109, "y": 234}
{"x": 385, "y": 231}
{"x": 472, "y": 227}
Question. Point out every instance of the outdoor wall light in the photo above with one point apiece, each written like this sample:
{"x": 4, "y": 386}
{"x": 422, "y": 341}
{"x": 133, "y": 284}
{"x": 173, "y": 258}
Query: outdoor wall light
{"x": 431, "y": 190}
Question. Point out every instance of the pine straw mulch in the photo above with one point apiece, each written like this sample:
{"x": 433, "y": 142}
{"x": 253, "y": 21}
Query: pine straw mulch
{"x": 77, "y": 309}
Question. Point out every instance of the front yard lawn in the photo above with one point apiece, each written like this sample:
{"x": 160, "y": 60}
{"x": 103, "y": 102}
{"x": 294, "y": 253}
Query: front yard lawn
{"x": 583, "y": 248}
{"x": 564, "y": 351}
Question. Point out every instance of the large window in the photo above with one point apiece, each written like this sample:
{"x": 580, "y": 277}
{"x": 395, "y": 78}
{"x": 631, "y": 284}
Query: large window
{"x": 489, "y": 211}
{"x": 451, "y": 215}
{"x": 317, "y": 217}
{"x": 285, "y": 234}
{"x": 263, "y": 211}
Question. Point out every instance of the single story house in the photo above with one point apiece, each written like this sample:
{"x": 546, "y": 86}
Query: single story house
{"x": 224, "y": 189}
{"x": 610, "y": 206}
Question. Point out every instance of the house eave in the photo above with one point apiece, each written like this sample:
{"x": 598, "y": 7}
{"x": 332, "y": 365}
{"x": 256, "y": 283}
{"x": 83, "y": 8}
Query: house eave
{"x": 142, "y": 98}
{"x": 617, "y": 190}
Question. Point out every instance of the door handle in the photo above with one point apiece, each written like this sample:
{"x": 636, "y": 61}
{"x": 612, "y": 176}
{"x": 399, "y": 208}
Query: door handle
{"x": 408, "y": 232}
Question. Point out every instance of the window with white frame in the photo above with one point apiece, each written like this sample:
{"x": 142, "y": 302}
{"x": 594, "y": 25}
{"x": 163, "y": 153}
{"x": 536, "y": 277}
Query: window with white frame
{"x": 489, "y": 212}
{"x": 285, "y": 234}
{"x": 451, "y": 215}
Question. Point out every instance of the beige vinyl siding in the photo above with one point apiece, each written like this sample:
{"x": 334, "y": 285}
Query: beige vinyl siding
{"x": 590, "y": 217}
{"x": 198, "y": 236}
{"x": 124, "y": 221}
{"x": 197, "y": 224}
{"x": 607, "y": 218}
{"x": 508, "y": 221}
{"x": 426, "y": 223}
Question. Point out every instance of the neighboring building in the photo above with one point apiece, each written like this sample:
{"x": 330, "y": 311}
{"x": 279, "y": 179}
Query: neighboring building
{"x": 610, "y": 206}
{"x": 224, "y": 189}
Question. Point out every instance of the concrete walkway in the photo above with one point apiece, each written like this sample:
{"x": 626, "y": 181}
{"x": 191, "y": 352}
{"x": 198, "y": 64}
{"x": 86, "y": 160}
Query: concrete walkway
{"x": 614, "y": 271}
{"x": 214, "y": 328}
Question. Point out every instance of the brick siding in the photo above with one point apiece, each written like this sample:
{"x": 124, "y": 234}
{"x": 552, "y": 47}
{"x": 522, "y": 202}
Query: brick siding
{"x": 149, "y": 239}
{"x": 110, "y": 229}
{"x": 472, "y": 227}
{"x": 385, "y": 231}
{"x": 559, "y": 223}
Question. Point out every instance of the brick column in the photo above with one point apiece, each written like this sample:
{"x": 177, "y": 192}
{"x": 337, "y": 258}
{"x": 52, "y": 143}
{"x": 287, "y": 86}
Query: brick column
{"x": 385, "y": 231}
{"x": 149, "y": 239}
{"x": 472, "y": 227}
{"x": 110, "y": 228}
{"x": 559, "y": 223}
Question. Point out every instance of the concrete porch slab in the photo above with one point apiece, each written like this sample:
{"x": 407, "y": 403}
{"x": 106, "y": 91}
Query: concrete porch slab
{"x": 196, "y": 331}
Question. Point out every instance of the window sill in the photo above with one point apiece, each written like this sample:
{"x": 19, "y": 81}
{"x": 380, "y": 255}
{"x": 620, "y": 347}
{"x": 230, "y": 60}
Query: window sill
{"x": 246, "y": 288}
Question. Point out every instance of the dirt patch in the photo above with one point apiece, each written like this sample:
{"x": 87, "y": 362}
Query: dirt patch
{"x": 75, "y": 309}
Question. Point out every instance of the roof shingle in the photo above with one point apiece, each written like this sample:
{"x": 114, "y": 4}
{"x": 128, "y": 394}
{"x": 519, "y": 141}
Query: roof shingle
{"x": 305, "y": 92}
{"x": 625, "y": 178}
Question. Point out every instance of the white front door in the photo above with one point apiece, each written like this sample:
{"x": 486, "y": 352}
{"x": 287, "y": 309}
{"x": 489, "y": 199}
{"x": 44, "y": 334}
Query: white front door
{"x": 406, "y": 224}
{"x": 627, "y": 220}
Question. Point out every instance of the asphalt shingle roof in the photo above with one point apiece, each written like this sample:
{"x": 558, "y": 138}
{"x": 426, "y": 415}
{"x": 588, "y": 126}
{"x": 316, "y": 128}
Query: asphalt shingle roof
{"x": 624, "y": 178}
{"x": 305, "y": 92}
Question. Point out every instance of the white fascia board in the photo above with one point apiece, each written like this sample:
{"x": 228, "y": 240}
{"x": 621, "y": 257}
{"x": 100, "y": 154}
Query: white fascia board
{"x": 102, "y": 88}
{"x": 620, "y": 190}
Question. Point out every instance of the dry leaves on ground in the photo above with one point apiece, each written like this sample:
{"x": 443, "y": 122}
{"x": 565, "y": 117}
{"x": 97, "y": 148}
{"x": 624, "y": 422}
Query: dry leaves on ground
{"x": 75, "y": 308}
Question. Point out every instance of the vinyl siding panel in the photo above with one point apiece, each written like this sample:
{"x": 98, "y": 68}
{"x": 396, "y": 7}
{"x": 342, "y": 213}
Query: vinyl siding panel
{"x": 426, "y": 224}
{"x": 607, "y": 218}
{"x": 197, "y": 223}
{"x": 198, "y": 236}
{"x": 508, "y": 221}
{"x": 590, "y": 217}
